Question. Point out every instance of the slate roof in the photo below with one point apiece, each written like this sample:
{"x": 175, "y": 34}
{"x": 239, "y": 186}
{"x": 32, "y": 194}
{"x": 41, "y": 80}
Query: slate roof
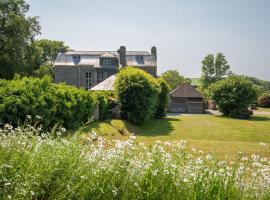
{"x": 186, "y": 90}
{"x": 92, "y": 58}
{"x": 106, "y": 85}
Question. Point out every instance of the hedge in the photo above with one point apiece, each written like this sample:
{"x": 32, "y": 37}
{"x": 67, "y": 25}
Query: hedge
{"x": 107, "y": 102}
{"x": 54, "y": 103}
{"x": 137, "y": 93}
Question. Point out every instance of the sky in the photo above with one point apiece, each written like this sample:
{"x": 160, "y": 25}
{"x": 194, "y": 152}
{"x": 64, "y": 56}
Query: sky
{"x": 184, "y": 32}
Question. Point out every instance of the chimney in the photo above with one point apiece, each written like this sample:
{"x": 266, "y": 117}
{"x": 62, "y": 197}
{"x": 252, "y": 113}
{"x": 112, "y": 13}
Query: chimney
{"x": 154, "y": 51}
{"x": 122, "y": 56}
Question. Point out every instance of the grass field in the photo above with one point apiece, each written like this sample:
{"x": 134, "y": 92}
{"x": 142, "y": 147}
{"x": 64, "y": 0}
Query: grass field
{"x": 208, "y": 133}
{"x": 264, "y": 109}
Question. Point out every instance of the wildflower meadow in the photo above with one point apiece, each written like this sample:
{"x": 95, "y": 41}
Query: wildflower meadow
{"x": 42, "y": 165}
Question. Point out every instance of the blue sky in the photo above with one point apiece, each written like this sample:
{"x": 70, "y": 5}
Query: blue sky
{"x": 184, "y": 32}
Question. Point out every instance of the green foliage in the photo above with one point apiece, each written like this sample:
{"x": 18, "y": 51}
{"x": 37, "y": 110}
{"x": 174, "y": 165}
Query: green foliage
{"x": 137, "y": 93}
{"x": 55, "y": 103}
{"x": 162, "y": 103}
{"x": 50, "y": 49}
{"x": 44, "y": 70}
{"x": 264, "y": 100}
{"x": 174, "y": 79}
{"x": 43, "y": 167}
{"x": 17, "y": 32}
{"x": 240, "y": 113}
{"x": 214, "y": 69}
{"x": 263, "y": 86}
{"x": 232, "y": 93}
{"x": 106, "y": 102}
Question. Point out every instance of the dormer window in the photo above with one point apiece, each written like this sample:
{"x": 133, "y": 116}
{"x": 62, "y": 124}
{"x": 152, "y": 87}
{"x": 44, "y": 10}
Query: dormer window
{"x": 107, "y": 62}
{"x": 140, "y": 60}
{"x": 76, "y": 59}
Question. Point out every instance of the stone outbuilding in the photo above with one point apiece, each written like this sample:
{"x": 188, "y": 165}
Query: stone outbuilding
{"x": 186, "y": 99}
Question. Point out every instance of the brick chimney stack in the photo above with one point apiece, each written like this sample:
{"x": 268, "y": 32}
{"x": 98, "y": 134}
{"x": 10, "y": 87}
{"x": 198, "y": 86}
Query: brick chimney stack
{"x": 154, "y": 51}
{"x": 122, "y": 56}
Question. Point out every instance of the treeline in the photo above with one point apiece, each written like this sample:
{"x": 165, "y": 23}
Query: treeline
{"x": 20, "y": 52}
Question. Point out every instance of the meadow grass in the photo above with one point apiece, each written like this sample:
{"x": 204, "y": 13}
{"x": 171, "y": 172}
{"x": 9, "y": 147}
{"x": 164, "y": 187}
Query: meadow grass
{"x": 36, "y": 165}
{"x": 222, "y": 135}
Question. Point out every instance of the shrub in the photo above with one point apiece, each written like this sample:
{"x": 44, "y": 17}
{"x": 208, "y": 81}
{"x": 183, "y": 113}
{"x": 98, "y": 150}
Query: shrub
{"x": 264, "y": 100}
{"x": 162, "y": 103}
{"x": 106, "y": 103}
{"x": 55, "y": 103}
{"x": 233, "y": 93}
{"x": 137, "y": 93}
{"x": 42, "y": 167}
{"x": 240, "y": 113}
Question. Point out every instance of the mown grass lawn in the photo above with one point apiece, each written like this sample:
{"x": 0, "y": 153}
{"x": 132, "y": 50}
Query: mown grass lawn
{"x": 263, "y": 109}
{"x": 216, "y": 134}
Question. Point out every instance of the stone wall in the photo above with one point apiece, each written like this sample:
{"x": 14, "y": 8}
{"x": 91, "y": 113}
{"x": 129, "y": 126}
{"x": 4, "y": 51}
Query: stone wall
{"x": 75, "y": 75}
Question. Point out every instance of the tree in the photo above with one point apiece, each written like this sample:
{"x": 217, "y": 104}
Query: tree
{"x": 17, "y": 33}
{"x": 50, "y": 49}
{"x": 174, "y": 79}
{"x": 163, "y": 99}
{"x": 214, "y": 69}
{"x": 137, "y": 93}
{"x": 233, "y": 95}
{"x": 264, "y": 100}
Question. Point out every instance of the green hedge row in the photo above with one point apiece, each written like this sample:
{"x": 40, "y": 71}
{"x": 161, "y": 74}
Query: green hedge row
{"x": 55, "y": 103}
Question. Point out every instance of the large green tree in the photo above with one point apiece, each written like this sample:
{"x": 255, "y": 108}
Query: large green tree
{"x": 50, "y": 49}
{"x": 233, "y": 95}
{"x": 17, "y": 33}
{"x": 174, "y": 79}
{"x": 214, "y": 68}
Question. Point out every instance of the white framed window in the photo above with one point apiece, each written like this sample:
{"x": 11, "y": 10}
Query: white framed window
{"x": 107, "y": 62}
{"x": 101, "y": 76}
{"x": 88, "y": 80}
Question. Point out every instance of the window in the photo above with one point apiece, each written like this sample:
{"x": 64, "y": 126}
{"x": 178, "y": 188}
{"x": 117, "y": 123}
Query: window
{"x": 140, "y": 59}
{"x": 88, "y": 80}
{"x": 107, "y": 62}
{"x": 76, "y": 59}
{"x": 101, "y": 76}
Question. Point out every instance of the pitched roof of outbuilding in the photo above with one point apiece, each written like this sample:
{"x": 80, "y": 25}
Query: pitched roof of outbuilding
{"x": 186, "y": 90}
{"x": 107, "y": 84}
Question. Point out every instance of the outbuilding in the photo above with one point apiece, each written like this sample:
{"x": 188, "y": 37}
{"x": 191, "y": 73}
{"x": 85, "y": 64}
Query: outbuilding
{"x": 185, "y": 99}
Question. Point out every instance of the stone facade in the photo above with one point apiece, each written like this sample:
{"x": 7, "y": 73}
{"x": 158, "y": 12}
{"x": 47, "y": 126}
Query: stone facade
{"x": 88, "y": 68}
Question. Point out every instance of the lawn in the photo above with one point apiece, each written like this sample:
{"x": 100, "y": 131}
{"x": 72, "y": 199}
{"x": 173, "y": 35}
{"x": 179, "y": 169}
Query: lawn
{"x": 208, "y": 133}
{"x": 264, "y": 109}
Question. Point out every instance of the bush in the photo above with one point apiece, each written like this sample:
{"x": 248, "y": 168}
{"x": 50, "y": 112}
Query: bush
{"x": 137, "y": 93}
{"x": 55, "y": 103}
{"x": 240, "y": 113}
{"x": 106, "y": 102}
{"x": 162, "y": 103}
{"x": 233, "y": 94}
{"x": 264, "y": 100}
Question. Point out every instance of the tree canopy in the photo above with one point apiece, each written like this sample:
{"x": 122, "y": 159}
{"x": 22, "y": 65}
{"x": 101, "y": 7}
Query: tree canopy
{"x": 174, "y": 79}
{"x": 214, "y": 68}
{"x": 17, "y": 33}
{"x": 233, "y": 93}
{"x": 50, "y": 49}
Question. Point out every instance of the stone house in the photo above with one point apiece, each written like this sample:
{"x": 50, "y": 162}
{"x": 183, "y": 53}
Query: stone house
{"x": 88, "y": 68}
{"x": 186, "y": 99}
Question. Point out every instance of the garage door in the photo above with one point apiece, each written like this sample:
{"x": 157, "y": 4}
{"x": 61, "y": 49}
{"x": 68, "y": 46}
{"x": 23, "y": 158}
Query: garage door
{"x": 177, "y": 107}
{"x": 195, "y": 107}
